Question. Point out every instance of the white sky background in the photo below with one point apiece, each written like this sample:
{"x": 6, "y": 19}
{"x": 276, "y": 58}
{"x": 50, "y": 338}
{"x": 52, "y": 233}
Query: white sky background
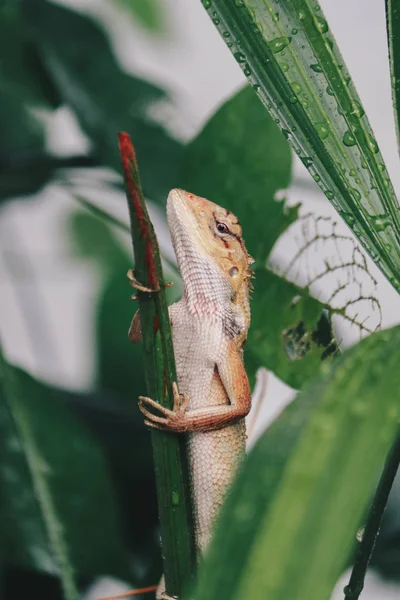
{"x": 194, "y": 64}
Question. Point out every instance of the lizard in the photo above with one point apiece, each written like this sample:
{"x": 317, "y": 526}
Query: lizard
{"x": 209, "y": 327}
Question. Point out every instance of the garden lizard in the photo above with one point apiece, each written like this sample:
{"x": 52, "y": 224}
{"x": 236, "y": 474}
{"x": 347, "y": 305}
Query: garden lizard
{"x": 209, "y": 328}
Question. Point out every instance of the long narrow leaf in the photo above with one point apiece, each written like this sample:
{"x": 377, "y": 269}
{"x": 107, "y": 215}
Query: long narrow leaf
{"x": 393, "y": 31}
{"x": 290, "y": 522}
{"x": 289, "y": 55}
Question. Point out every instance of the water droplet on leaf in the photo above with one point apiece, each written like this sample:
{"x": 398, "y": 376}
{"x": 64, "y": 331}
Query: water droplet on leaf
{"x": 349, "y": 139}
{"x": 321, "y": 24}
{"x": 322, "y": 130}
{"x": 373, "y": 146}
{"x": 279, "y": 44}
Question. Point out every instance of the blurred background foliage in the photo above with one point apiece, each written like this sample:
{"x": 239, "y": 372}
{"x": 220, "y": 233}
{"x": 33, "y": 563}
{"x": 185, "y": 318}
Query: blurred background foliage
{"x": 76, "y": 469}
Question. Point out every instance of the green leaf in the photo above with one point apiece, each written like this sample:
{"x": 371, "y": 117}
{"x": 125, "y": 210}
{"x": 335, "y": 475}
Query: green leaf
{"x": 105, "y": 99}
{"x": 58, "y": 512}
{"x": 290, "y": 57}
{"x": 393, "y": 32}
{"x": 21, "y": 141}
{"x": 147, "y": 12}
{"x": 291, "y": 518}
{"x": 240, "y": 160}
{"x": 22, "y": 72}
{"x": 289, "y": 332}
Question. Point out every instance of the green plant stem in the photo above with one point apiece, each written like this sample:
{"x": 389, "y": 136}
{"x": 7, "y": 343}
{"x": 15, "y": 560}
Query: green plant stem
{"x": 356, "y": 584}
{"x": 168, "y": 449}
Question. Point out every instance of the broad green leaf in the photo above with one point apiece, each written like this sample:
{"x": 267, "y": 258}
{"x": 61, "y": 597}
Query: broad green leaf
{"x": 290, "y": 57}
{"x": 240, "y": 160}
{"x": 291, "y": 518}
{"x": 21, "y": 143}
{"x": 289, "y": 332}
{"x": 22, "y": 72}
{"x": 393, "y": 31}
{"x": 58, "y": 513}
{"x": 147, "y": 12}
{"x": 105, "y": 99}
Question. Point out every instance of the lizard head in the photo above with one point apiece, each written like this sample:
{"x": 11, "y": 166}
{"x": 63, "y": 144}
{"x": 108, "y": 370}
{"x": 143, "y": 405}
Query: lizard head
{"x": 208, "y": 244}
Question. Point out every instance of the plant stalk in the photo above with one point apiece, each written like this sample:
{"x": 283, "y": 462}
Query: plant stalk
{"x": 356, "y": 584}
{"x": 168, "y": 449}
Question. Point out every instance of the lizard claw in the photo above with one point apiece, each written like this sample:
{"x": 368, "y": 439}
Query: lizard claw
{"x": 137, "y": 285}
{"x": 173, "y": 420}
{"x": 142, "y": 288}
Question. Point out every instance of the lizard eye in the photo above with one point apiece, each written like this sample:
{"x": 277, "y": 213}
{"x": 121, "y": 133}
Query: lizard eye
{"x": 222, "y": 228}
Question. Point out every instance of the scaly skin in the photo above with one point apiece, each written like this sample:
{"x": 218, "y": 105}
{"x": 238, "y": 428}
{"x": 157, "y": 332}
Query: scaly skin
{"x": 209, "y": 326}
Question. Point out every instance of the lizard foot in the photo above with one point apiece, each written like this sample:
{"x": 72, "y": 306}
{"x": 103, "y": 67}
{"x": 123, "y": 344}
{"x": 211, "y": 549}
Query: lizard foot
{"x": 137, "y": 285}
{"x": 142, "y": 288}
{"x": 172, "y": 420}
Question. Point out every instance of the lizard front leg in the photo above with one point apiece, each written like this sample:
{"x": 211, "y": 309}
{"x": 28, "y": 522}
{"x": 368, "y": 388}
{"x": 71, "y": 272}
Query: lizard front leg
{"x": 234, "y": 379}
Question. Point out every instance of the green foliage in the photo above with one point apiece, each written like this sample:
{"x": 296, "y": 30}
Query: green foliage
{"x": 105, "y": 99}
{"x": 289, "y": 333}
{"x": 241, "y": 160}
{"x": 77, "y": 469}
{"x": 297, "y": 503}
{"x": 291, "y": 58}
{"x": 54, "y": 479}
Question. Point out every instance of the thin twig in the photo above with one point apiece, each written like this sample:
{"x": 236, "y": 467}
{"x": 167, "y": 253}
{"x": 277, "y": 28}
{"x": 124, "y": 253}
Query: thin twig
{"x": 353, "y": 590}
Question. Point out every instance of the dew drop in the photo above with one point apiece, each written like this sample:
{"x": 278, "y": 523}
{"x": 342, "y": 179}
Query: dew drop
{"x": 348, "y": 139}
{"x": 279, "y": 44}
{"x": 301, "y": 15}
{"x": 322, "y": 130}
{"x": 321, "y": 24}
{"x": 316, "y": 177}
{"x": 226, "y": 34}
{"x": 352, "y": 172}
{"x": 304, "y": 103}
{"x": 247, "y": 70}
{"x": 329, "y": 194}
{"x": 316, "y": 68}
{"x": 356, "y": 194}
{"x": 239, "y": 3}
{"x": 216, "y": 21}
{"x": 330, "y": 91}
{"x": 381, "y": 167}
{"x": 296, "y": 87}
{"x": 284, "y": 67}
{"x": 357, "y": 109}
{"x": 240, "y": 57}
{"x": 256, "y": 87}
{"x": 294, "y": 31}
{"x": 307, "y": 161}
{"x": 206, "y": 3}
{"x": 381, "y": 222}
{"x": 372, "y": 145}
{"x": 293, "y": 99}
